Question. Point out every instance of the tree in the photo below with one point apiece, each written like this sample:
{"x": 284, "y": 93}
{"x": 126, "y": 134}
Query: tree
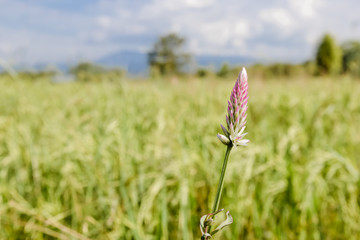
{"x": 328, "y": 56}
{"x": 224, "y": 71}
{"x": 351, "y": 58}
{"x": 86, "y": 67}
{"x": 168, "y": 55}
{"x": 89, "y": 72}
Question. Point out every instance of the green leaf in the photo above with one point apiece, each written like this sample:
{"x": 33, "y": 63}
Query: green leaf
{"x": 202, "y": 223}
{"x": 206, "y": 220}
{"x": 228, "y": 221}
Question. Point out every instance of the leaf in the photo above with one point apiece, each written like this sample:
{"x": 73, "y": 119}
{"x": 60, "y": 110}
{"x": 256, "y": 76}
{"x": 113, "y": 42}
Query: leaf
{"x": 202, "y": 224}
{"x": 206, "y": 220}
{"x": 228, "y": 221}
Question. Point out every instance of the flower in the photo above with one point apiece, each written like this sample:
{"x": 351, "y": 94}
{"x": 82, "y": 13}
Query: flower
{"x": 236, "y": 117}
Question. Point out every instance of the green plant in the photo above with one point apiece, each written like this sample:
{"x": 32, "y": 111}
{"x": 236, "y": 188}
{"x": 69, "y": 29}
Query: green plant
{"x": 224, "y": 71}
{"x": 233, "y": 137}
{"x": 351, "y": 58}
{"x": 328, "y": 56}
{"x": 168, "y": 56}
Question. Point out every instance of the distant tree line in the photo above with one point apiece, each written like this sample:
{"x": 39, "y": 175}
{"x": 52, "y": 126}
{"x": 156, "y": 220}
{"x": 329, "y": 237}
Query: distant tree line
{"x": 168, "y": 58}
{"x": 89, "y": 72}
{"x": 82, "y": 72}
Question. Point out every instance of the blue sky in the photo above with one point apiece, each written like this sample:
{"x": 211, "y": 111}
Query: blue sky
{"x": 53, "y": 31}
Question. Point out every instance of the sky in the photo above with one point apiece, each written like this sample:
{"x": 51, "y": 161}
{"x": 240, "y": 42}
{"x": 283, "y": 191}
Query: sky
{"x": 54, "y": 31}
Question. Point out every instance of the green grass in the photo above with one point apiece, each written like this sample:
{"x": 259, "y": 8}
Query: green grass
{"x": 140, "y": 160}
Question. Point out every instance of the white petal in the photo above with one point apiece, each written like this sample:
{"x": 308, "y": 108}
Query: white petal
{"x": 223, "y": 139}
{"x": 241, "y": 131}
{"x": 241, "y": 135}
{"x": 242, "y": 142}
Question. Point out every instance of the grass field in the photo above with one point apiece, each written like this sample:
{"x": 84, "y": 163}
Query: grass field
{"x": 140, "y": 160}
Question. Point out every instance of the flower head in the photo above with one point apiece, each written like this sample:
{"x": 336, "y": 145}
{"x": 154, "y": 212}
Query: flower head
{"x": 236, "y": 117}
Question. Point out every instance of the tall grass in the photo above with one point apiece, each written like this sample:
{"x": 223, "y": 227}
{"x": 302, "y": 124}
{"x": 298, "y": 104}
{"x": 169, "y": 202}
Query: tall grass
{"x": 139, "y": 160}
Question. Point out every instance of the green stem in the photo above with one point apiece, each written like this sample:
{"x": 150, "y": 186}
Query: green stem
{"x": 221, "y": 181}
{"x": 220, "y": 187}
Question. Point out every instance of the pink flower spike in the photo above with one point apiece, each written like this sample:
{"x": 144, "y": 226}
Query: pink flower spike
{"x": 236, "y": 117}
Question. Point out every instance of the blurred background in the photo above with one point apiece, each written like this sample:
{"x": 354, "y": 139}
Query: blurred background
{"x": 109, "y": 112}
{"x": 60, "y": 34}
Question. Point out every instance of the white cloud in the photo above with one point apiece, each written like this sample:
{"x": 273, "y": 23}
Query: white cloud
{"x": 198, "y": 3}
{"x": 241, "y": 32}
{"x": 279, "y": 17}
{"x": 306, "y": 8}
{"x": 104, "y": 21}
